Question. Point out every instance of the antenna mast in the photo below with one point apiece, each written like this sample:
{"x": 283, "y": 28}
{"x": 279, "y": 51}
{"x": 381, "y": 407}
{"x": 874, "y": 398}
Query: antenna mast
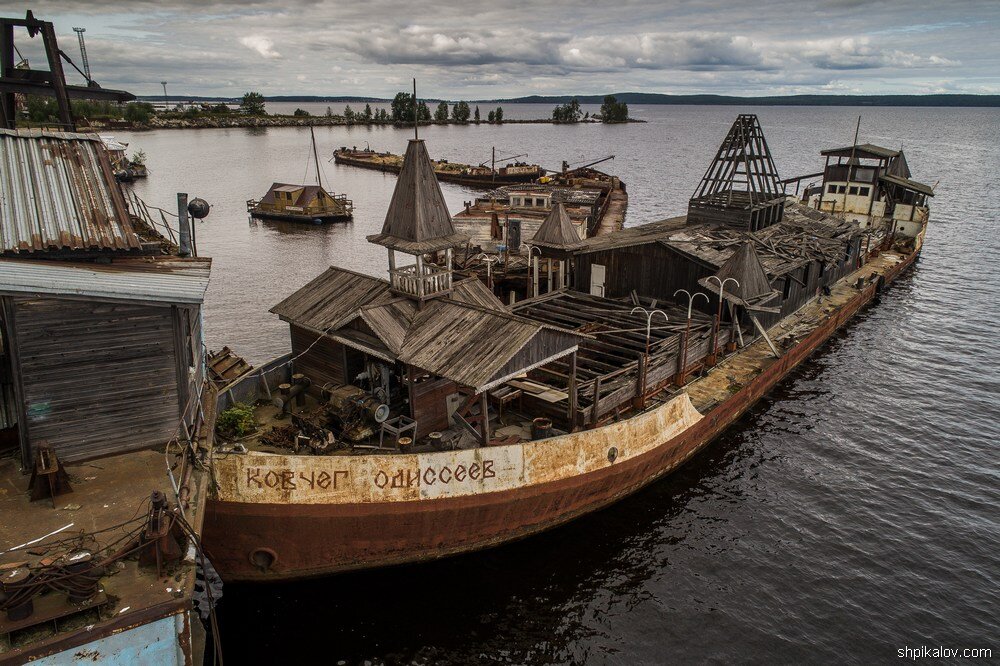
{"x": 83, "y": 53}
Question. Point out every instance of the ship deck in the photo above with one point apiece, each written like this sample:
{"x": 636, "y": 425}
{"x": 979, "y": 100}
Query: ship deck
{"x": 612, "y": 358}
{"x": 739, "y": 369}
{"x": 107, "y": 504}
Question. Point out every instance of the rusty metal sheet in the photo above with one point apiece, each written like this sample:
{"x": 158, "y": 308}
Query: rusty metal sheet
{"x": 57, "y": 192}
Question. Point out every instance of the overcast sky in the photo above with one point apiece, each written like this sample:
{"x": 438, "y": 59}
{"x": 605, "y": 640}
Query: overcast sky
{"x": 484, "y": 49}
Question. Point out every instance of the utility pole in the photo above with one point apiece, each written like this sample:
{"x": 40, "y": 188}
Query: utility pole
{"x": 83, "y": 52}
{"x": 165, "y": 102}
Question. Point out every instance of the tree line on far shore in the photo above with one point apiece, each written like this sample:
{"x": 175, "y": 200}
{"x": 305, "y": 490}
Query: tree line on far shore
{"x": 612, "y": 111}
{"x": 401, "y": 110}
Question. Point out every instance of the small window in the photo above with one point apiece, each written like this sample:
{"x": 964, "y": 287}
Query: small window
{"x": 841, "y": 189}
{"x": 853, "y": 190}
{"x": 831, "y": 189}
{"x": 540, "y": 203}
{"x": 864, "y": 191}
{"x": 787, "y": 289}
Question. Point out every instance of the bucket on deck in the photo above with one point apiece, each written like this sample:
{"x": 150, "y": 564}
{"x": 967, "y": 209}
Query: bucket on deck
{"x": 541, "y": 428}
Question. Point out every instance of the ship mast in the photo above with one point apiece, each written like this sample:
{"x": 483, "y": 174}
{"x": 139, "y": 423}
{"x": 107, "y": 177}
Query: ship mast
{"x": 315, "y": 156}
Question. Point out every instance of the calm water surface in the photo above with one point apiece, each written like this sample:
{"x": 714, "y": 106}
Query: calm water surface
{"x": 852, "y": 513}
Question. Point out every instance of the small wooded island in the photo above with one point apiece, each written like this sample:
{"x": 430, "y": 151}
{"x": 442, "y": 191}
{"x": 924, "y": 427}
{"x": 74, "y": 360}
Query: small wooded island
{"x": 251, "y": 111}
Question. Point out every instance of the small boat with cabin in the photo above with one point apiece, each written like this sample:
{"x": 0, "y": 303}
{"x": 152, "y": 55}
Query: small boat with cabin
{"x": 311, "y": 204}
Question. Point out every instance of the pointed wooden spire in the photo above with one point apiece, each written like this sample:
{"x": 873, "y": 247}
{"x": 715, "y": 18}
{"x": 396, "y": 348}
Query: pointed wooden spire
{"x": 418, "y": 220}
{"x": 744, "y": 265}
{"x": 557, "y": 231}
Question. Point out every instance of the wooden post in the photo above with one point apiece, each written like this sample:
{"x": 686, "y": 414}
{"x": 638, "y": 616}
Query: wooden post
{"x": 572, "y": 391}
{"x": 420, "y": 276}
{"x": 714, "y": 342}
{"x": 551, "y": 275}
{"x": 485, "y": 424}
{"x": 409, "y": 391}
{"x": 640, "y": 398}
{"x": 597, "y": 400}
{"x": 58, "y": 78}
{"x": 681, "y": 361}
{"x": 534, "y": 286}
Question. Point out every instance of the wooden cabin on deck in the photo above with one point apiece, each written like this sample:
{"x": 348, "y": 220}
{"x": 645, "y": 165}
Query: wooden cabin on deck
{"x": 866, "y": 183}
{"x": 801, "y": 250}
{"x": 431, "y": 348}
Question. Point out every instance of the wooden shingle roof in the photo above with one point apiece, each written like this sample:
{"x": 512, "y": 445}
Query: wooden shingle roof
{"x": 557, "y": 231}
{"x": 418, "y": 220}
{"x": 744, "y": 266}
{"x": 333, "y": 298}
{"x": 471, "y": 345}
{"x": 472, "y": 290}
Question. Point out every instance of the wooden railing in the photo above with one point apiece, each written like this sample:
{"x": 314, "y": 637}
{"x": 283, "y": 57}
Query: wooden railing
{"x": 408, "y": 281}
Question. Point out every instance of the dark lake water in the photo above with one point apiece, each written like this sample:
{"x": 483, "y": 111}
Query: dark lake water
{"x": 853, "y": 513}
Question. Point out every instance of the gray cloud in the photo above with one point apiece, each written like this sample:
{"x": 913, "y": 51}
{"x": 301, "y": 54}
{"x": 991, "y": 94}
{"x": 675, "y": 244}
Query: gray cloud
{"x": 483, "y": 48}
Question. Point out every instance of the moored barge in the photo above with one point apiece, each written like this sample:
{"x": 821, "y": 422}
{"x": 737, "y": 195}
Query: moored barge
{"x": 419, "y": 417}
{"x": 480, "y": 176}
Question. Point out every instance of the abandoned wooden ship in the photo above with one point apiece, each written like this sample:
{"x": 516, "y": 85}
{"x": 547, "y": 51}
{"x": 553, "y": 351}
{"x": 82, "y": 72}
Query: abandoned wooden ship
{"x": 302, "y": 203}
{"x": 481, "y": 175}
{"x": 418, "y": 417}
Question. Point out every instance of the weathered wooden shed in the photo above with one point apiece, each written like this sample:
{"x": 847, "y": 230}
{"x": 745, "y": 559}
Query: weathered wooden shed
{"x": 804, "y": 252}
{"x": 102, "y": 358}
{"x": 101, "y": 332}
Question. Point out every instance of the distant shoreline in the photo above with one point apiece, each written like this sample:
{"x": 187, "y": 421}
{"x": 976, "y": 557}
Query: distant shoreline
{"x": 240, "y": 121}
{"x": 931, "y": 100}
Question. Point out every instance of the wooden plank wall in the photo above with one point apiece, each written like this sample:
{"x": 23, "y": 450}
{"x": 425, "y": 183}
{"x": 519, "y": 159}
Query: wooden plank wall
{"x": 429, "y": 401}
{"x": 324, "y": 361}
{"x": 652, "y": 270}
{"x": 97, "y": 378}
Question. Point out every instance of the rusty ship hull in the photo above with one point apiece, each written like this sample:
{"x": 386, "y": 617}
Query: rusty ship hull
{"x": 378, "y": 162}
{"x": 272, "y": 506}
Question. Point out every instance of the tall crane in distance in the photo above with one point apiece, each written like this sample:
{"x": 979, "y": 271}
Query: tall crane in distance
{"x": 83, "y": 53}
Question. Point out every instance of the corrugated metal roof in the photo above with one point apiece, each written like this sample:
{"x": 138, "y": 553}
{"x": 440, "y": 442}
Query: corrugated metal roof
{"x": 148, "y": 279}
{"x": 57, "y": 192}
